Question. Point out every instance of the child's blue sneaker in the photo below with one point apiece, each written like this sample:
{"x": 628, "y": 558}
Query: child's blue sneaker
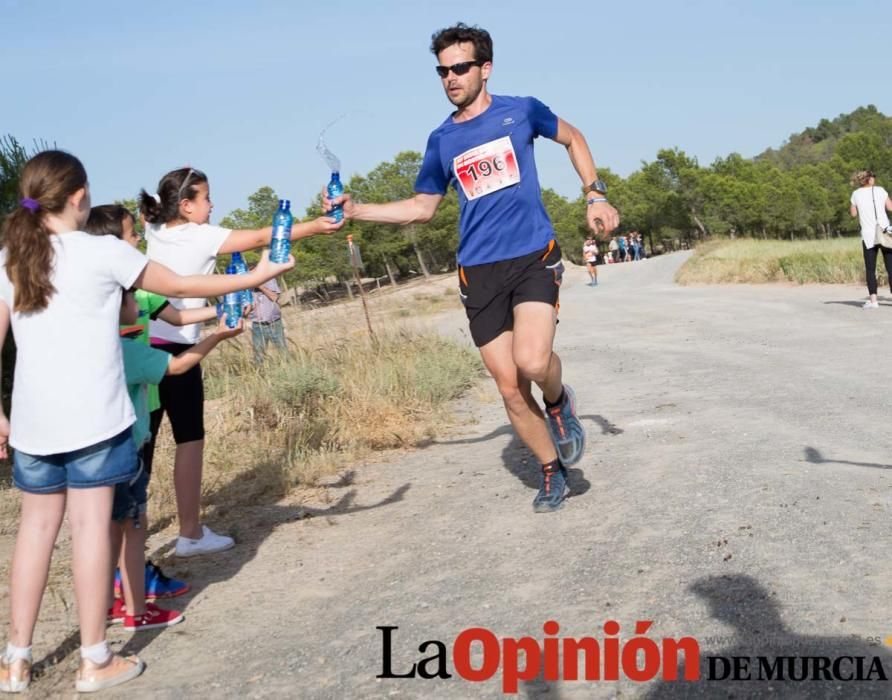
{"x": 159, "y": 586}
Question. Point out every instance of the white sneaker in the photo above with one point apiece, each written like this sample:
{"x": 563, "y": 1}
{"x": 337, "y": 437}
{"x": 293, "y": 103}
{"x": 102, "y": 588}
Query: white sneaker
{"x": 871, "y": 304}
{"x": 209, "y": 543}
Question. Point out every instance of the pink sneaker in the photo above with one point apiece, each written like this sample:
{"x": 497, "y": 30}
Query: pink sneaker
{"x": 14, "y": 675}
{"x": 152, "y": 618}
{"x": 118, "y": 669}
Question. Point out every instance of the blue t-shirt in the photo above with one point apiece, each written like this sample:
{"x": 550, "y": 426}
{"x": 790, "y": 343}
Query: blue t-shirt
{"x": 489, "y": 160}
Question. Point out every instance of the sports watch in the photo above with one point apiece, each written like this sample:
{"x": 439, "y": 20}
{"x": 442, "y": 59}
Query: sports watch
{"x": 598, "y": 186}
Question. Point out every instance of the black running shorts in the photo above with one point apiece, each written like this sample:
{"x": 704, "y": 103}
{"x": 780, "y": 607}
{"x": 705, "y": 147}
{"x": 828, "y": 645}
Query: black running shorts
{"x": 182, "y": 398}
{"x": 491, "y": 291}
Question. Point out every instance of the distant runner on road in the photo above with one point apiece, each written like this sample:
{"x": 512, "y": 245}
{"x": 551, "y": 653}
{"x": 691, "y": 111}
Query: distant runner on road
{"x": 509, "y": 262}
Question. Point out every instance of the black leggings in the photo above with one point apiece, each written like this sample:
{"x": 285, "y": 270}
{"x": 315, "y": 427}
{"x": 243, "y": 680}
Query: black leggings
{"x": 870, "y": 265}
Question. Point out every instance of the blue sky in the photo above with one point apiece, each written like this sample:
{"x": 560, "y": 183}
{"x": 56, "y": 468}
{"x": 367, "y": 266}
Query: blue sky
{"x": 242, "y": 89}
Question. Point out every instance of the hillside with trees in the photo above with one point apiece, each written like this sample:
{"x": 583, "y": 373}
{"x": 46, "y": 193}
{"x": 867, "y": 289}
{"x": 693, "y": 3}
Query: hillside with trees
{"x": 799, "y": 190}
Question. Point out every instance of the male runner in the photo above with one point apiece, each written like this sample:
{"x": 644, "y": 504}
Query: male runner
{"x": 509, "y": 262}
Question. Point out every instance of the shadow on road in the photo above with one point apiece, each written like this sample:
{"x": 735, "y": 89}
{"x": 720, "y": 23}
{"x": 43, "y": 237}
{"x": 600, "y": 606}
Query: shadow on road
{"x": 746, "y": 606}
{"x": 534, "y": 690}
{"x": 858, "y": 304}
{"x": 606, "y": 427}
{"x": 814, "y": 456}
{"x": 249, "y": 523}
{"x": 520, "y": 462}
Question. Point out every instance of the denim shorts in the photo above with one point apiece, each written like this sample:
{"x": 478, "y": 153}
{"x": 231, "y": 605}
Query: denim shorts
{"x": 132, "y": 497}
{"x": 103, "y": 464}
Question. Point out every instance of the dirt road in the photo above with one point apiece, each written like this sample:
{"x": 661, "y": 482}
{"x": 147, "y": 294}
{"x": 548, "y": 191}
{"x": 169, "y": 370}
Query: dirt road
{"x": 736, "y": 489}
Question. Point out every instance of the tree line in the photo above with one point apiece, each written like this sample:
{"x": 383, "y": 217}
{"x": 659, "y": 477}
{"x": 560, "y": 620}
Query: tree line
{"x": 799, "y": 190}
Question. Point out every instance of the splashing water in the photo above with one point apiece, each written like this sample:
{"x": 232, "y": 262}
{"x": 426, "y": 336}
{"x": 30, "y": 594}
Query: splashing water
{"x": 331, "y": 160}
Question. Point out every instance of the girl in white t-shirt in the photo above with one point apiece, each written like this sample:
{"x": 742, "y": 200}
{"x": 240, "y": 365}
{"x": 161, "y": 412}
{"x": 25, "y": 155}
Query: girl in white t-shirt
{"x": 178, "y": 235}
{"x": 869, "y": 204}
{"x": 60, "y": 288}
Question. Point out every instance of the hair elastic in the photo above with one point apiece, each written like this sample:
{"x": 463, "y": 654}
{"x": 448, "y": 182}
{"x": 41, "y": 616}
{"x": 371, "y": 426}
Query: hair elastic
{"x": 31, "y": 204}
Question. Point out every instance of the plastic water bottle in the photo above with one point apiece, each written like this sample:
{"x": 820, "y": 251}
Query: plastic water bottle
{"x": 336, "y": 189}
{"x": 280, "y": 245}
{"x": 241, "y": 267}
{"x": 232, "y": 302}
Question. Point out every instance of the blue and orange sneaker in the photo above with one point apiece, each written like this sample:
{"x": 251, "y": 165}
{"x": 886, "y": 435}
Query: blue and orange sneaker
{"x": 566, "y": 431}
{"x": 553, "y": 491}
{"x": 158, "y": 585}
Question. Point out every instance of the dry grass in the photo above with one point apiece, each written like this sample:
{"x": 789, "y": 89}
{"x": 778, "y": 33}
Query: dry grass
{"x": 834, "y": 261}
{"x": 335, "y": 398}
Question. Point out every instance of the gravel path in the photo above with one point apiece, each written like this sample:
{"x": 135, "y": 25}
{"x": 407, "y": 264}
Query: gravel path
{"x": 736, "y": 489}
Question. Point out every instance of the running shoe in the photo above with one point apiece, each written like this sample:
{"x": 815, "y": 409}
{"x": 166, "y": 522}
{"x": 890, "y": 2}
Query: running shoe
{"x": 871, "y": 304}
{"x": 566, "y": 431}
{"x": 553, "y": 491}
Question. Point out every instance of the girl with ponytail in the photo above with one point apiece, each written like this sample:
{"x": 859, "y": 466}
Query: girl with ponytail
{"x": 60, "y": 289}
{"x": 178, "y": 235}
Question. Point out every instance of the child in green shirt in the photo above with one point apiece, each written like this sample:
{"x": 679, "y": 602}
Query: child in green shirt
{"x": 145, "y": 366}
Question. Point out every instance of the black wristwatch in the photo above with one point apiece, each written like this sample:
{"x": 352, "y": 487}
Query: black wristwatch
{"x": 598, "y": 186}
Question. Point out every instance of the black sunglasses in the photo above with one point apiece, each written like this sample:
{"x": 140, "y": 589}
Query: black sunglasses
{"x": 457, "y": 68}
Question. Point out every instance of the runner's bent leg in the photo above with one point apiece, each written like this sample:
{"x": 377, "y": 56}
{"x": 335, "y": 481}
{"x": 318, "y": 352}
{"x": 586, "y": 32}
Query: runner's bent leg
{"x": 524, "y": 413}
{"x": 534, "y": 327}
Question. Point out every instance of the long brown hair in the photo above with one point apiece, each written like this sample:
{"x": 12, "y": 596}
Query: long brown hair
{"x": 48, "y": 179}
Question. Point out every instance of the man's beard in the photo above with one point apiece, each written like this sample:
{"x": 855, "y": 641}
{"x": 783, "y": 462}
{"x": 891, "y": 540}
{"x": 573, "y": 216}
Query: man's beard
{"x": 471, "y": 95}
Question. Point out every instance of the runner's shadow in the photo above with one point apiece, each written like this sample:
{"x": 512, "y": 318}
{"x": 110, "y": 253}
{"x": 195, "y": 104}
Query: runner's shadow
{"x": 814, "y": 456}
{"x": 606, "y": 427}
{"x": 740, "y": 602}
{"x": 234, "y": 508}
{"x": 520, "y": 462}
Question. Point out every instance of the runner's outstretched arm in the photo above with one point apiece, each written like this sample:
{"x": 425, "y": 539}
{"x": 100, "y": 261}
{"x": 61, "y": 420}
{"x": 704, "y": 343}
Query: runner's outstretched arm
{"x": 416, "y": 210}
{"x": 581, "y": 158}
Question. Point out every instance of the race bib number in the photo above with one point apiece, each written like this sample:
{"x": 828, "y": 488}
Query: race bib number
{"x": 487, "y": 168}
